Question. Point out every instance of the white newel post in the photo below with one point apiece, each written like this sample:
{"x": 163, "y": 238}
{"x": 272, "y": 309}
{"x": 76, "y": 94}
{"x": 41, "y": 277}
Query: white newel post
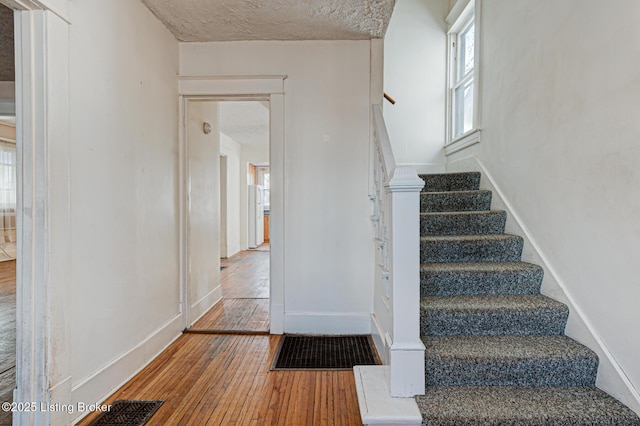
{"x": 407, "y": 350}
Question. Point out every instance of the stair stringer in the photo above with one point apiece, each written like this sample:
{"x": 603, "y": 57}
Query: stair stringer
{"x": 611, "y": 377}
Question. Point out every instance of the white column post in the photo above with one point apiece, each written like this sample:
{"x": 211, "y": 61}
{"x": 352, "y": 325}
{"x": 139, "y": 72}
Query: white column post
{"x": 407, "y": 350}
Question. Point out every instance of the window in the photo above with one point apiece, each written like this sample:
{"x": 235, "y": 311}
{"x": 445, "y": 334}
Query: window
{"x": 461, "y": 98}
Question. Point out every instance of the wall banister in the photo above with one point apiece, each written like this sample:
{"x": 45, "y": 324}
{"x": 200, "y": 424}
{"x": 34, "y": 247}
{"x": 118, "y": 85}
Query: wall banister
{"x": 396, "y": 221}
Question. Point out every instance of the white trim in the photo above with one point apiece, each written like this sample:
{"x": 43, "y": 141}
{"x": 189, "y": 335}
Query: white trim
{"x": 461, "y": 13}
{"x": 378, "y": 334}
{"x": 89, "y": 390}
{"x": 579, "y": 326}
{"x": 459, "y": 9}
{"x": 199, "y": 308}
{"x": 230, "y": 85}
{"x": 40, "y": 5}
{"x": 327, "y": 323}
{"x": 42, "y": 276}
{"x": 377, "y": 407}
{"x": 464, "y": 141}
{"x": 227, "y": 87}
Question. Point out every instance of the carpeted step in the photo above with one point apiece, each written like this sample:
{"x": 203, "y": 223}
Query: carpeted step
{"x": 441, "y": 182}
{"x": 491, "y": 315}
{"x": 448, "y": 279}
{"x": 471, "y": 248}
{"x": 522, "y": 406}
{"x": 463, "y": 223}
{"x": 431, "y": 202}
{"x": 528, "y": 360}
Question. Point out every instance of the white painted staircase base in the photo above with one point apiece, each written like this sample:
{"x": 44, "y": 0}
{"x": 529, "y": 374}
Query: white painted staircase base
{"x": 377, "y": 407}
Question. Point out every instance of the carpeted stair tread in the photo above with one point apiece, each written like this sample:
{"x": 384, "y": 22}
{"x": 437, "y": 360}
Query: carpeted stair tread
{"x": 508, "y": 360}
{"x": 455, "y": 201}
{"x": 491, "y": 315}
{"x": 447, "y": 279}
{"x": 522, "y": 406}
{"x": 440, "y": 182}
{"x": 463, "y": 223}
{"x": 471, "y": 248}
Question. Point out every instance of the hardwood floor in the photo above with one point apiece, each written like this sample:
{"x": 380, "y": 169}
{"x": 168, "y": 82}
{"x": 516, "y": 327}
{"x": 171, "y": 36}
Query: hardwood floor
{"x": 225, "y": 380}
{"x": 246, "y": 274}
{"x": 234, "y": 316}
{"x": 244, "y": 307}
{"x": 7, "y": 335}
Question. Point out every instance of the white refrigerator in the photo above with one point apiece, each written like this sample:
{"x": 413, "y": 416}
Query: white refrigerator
{"x": 256, "y": 216}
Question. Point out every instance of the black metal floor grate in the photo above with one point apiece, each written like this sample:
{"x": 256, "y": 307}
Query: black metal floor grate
{"x": 128, "y": 413}
{"x": 324, "y": 353}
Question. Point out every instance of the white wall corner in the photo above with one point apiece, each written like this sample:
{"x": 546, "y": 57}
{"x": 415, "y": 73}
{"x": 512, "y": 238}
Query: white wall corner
{"x": 611, "y": 377}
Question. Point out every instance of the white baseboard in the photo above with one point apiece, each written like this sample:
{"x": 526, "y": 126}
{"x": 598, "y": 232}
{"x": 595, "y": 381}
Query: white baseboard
{"x": 327, "y": 323}
{"x": 98, "y": 386}
{"x": 60, "y": 395}
{"x": 202, "y": 306}
{"x": 611, "y": 377}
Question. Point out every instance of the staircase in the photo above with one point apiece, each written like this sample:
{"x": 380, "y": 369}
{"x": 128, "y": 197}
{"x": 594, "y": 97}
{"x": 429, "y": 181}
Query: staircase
{"x": 496, "y": 353}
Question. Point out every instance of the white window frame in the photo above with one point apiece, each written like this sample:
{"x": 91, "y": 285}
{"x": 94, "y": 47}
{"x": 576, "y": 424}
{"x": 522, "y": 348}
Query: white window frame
{"x": 461, "y": 15}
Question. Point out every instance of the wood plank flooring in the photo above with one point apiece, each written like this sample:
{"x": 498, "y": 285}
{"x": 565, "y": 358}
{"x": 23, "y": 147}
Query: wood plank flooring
{"x": 245, "y": 291}
{"x": 225, "y": 380}
{"x": 246, "y": 274}
{"x": 235, "y": 315}
{"x": 7, "y": 335}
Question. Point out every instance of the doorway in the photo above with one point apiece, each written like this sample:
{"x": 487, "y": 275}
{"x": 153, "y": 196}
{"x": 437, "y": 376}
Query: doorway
{"x": 226, "y": 190}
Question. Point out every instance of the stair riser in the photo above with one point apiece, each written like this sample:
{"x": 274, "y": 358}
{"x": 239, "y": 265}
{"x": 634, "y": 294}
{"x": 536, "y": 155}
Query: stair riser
{"x": 457, "y": 283}
{"x": 455, "y": 202}
{"x": 449, "y": 323}
{"x": 547, "y": 372}
{"x": 503, "y": 250}
{"x": 451, "y": 182}
{"x": 463, "y": 224}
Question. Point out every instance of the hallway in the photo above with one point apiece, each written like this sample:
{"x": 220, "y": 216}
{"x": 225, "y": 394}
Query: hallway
{"x": 244, "y": 308}
{"x": 217, "y": 376}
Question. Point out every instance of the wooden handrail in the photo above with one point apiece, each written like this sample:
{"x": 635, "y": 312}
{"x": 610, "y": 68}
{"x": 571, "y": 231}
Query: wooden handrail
{"x": 390, "y": 99}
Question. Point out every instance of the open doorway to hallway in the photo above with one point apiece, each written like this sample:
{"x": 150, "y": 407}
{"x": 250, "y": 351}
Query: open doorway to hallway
{"x": 7, "y": 212}
{"x": 243, "y": 127}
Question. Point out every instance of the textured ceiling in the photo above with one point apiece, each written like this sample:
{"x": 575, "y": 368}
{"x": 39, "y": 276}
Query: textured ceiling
{"x": 232, "y": 20}
{"x": 245, "y": 122}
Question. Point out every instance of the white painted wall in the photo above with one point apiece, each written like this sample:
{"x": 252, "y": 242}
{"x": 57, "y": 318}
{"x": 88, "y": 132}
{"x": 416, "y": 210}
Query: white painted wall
{"x": 254, "y": 154}
{"x": 414, "y": 75}
{"x": 123, "y": 193}
{"x": 203, "y": 208}
{"x": 328, "y": 254}
{"x": 560, "y": 137}
{"x": 233, "y": 151}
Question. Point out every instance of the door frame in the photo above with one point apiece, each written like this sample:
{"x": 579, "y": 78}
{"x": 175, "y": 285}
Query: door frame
{"x": 43, "y": 293}
{"x": 250, "y": 88}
